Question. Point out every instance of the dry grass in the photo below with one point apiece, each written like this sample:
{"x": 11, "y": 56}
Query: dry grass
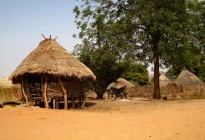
{"x": 9, "y": 94}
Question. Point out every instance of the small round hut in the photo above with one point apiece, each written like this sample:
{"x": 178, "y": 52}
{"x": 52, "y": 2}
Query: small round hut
{"x": 50, "y": 73}
{"x": 120, "y": 82}
{"x": 188, "y": 78}
{"x": 163, "y": 80}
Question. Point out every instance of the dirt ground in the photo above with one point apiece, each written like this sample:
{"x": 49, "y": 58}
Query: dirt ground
{"x": 129, "y": 119}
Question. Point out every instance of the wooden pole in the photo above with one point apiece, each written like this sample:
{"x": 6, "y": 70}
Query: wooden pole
{"x": 65, "y": 95}
{"x": 84, "y": 96}
{"x": 23, "y": 91}
{"x": 73, "y": 103}
{"x": 84, "y": 100}
{"x": 56, "y": 37}
{"x": 44, "y": 37}
{"x": 44, "y": 93}
{"x": 54, "y": 103}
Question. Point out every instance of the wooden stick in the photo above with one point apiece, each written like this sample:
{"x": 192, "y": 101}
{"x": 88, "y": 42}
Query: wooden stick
{"x": 54, "y": 103}
{"x": 83, "y": 99}
{"x": 56, "y": 37}
{"x": 57, "y": 104}
{"x": 44, "y": 37}
{"x": 23, "y": 91}
{"x": 79, "y": 102}
{"x": 73, "y": 103}
{"x": 64, "y": 94}
{"x": 44, "y": 93}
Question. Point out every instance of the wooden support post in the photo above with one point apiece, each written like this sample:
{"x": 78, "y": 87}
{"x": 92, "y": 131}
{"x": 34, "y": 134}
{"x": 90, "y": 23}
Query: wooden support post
{"x": 23, "y": 91}
{"x": 83, "y": 104}
{"x": 44, "y": 93}
{"x": 65, "y": 95}
{"x": 57, "y": 104}
{"x": 79, "y": 102}
{"x": 73, "y": 103}
{"x": 84, "y": 96}
{"x": 54, "y": 103}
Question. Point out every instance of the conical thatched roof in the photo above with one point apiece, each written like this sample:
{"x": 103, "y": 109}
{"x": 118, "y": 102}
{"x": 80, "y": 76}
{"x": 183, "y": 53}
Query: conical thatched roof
{"x": 51, "y": 58}
{"x": 164, "y": 80}
{"x": 121, "y": 82}
{"x": 187, "y": 78}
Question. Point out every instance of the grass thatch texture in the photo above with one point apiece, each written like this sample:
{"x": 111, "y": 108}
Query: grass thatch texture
{"x": 188, "y": 78}
{"x": 10, "y": 94}
{"x": 51, "y": 58}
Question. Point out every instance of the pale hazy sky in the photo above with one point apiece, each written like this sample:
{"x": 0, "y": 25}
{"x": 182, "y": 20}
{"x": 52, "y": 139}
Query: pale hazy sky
{"x": 23, "y": 21}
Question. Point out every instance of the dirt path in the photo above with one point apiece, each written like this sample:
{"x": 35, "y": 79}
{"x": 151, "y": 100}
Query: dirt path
{"x": 114, "y": 120}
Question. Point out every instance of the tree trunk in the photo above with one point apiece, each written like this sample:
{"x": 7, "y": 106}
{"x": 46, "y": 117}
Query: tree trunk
{"x": 156, "y": 94}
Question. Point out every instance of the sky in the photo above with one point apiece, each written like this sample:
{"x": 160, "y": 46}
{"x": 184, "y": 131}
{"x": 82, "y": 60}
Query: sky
{"x": 23, "y": 21}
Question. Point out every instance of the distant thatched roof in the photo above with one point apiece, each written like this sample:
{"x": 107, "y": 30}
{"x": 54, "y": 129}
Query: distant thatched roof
{"x": 5, "y": 82}
{"x": 164, "y": 80}
{"x": 187, "y": 78}
{"x": 51, "y": 58}
{"x": 121, "y": 82}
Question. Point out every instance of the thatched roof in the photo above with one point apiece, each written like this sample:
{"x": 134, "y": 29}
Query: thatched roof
{"x": 164, "y": 80}
{"x": 121, "y": 82}
{"x": 51, "y": 58}
{"x": 187, "y": 78}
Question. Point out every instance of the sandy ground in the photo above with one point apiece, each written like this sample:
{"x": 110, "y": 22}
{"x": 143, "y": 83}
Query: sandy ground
{"x": 107, "y": 120}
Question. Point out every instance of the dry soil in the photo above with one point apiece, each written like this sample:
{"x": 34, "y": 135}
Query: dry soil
{"x": 130, "y": 119}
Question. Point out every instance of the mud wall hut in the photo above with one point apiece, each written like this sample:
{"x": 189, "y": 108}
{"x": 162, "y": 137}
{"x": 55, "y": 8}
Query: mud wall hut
{"x": 51, "y": 73}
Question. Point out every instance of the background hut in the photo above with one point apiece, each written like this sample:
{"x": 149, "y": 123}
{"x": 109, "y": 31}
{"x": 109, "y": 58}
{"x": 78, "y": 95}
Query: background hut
{"x": 121, "y": 82}
{"x": 51, "y": 73}
{"x": 5, "y": 82}
{"x": 163, "y": 80}
{"x": 187, "y": 78}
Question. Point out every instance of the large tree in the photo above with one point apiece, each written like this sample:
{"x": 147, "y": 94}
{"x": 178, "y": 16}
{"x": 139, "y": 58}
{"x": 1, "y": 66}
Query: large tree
{"x": 153, "y": 31}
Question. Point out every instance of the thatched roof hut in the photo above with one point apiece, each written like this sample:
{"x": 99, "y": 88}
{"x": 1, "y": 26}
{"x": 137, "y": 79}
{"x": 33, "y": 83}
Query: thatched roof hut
{"x": 187, "y": 78}
{"x": 121, "y": 82}
{"x": 50, "y": 71}
{"x": 163, "y": 80}
{"x": 51, "y": 58}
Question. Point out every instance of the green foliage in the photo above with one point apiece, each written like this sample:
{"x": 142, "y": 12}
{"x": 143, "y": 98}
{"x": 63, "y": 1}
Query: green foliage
{"x": 105, "y": 65}
{"x": 137, "y": 74}
{"x": 196, "y": 65}
{"x": 108, "y": 66}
